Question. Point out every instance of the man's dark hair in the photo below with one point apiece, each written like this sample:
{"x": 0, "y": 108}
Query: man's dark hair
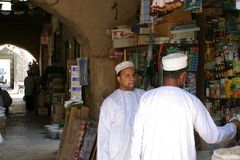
{"x": 173, "y": 74}
{"x": 119, "y": 73}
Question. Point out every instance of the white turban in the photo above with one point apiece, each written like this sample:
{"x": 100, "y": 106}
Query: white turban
{"x": 123, "y": 65}
{"x": 174, "y": 61}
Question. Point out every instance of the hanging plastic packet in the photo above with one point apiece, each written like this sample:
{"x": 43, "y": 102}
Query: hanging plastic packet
{"x": 1, "y": 139}
{"x": 238, "y": 4}
{"x": 192, "y": 4}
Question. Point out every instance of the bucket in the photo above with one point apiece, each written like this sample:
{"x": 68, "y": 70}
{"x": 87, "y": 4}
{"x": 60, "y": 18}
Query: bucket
{"x": 53, "y": 133}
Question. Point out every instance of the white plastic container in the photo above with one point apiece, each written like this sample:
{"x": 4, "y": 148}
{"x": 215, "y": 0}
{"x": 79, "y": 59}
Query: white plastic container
{"x": 53, "y": 133}
{"x": 60, "y": 131}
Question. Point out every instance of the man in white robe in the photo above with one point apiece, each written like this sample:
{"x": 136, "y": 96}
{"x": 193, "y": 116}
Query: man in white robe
{"x": 167, "y": 117}
{"x": 117, "y": 115}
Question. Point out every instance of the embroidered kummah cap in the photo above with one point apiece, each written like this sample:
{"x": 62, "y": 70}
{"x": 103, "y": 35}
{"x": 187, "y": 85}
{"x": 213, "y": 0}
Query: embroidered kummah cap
{"x": 174, "y": 61}
{"x": 123, "y": 65}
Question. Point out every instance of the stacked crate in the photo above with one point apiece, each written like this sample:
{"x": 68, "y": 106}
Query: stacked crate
{"x": 57, "y": 107}
{"x": 3, "y": 124}
{"x": 57, "y": 100}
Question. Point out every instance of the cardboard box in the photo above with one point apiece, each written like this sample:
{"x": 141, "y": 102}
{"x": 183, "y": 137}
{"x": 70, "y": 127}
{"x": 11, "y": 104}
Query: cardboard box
{"x": 143, "y": 39}
{"x": 2, "y": 121}
{"x": 43, "y": 111}
{"x": 73, "y": 139}
{"x": 164, "y": 29}
{"x": 185, "y": 16}
{"x": 57, "y": 98}
{"x": 58, "y": 109}
{"x": 3, "y": 124}
{"x": 58, "y": 88}
{"x": 41, "y": 99}
{"x": 57, "y": 118}
{"x": 141, "y": 29}
{"x": 213, "y": 12}
{"x": 57, "y": 81}
{"x": 121, "y": 33}
{"x": 125, "y": 42}
{"x": 84, "y": 114}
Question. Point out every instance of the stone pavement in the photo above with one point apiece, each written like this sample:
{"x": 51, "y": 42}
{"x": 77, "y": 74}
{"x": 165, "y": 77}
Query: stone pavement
{"x": 25, "y": 137}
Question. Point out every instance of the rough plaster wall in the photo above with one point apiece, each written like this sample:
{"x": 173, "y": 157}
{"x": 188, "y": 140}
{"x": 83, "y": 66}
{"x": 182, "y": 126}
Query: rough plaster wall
{"x": 89, "y": 20}
{"x": 102, "y": 72}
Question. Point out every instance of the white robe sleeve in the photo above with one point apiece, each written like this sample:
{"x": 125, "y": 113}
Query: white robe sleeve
{"x": 208, "y": 130}
{"x": 137, "y": 134}
{"x": 104, "y": 126}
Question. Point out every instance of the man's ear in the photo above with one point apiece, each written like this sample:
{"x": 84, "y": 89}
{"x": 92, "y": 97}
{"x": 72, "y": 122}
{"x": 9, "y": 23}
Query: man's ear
{"x": 118, "y": 79}
{"x": 183, "y": 76}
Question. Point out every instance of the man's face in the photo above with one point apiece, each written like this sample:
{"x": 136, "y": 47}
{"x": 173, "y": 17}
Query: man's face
{"x": 127, "y": 79}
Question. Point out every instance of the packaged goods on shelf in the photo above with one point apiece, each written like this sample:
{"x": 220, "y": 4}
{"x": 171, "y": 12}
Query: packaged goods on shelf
{"x": 141, "y": 29}
{"x": 143, "y": 39}
{"x": 121, "y": 33}
{"x": 145, "y": 12}
{"x": 190, "y": 83}
{"x": 193, "y": 59}
{"x": 125, "y": 42}
{"x": 214, "y": 89}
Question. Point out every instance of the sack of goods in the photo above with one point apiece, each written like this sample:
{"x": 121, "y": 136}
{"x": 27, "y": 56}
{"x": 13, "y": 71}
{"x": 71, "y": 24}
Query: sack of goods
{"x": 232, "y": 153}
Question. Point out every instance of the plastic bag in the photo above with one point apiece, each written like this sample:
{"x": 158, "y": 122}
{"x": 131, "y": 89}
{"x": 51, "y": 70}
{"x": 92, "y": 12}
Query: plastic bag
{"x": 1, "y": 139}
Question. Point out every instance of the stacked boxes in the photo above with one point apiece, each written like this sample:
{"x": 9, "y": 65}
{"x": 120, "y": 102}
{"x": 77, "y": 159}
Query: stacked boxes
{"x": 168, "y": 22}
{"x": 3, "y": 124}
{"x": 57, "y": 113}
{"x": 57, "y": 108}
{"x": 57, "y": 100}
{"x": 57, "y": 85}
{"x": 42, "y": 108}
{"x": 124, "y": 38}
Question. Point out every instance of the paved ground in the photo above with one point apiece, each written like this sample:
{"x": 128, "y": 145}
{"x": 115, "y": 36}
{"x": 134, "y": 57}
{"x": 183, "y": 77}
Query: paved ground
{"x": 25, "y": 137}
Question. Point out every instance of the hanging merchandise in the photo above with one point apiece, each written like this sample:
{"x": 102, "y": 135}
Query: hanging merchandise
{"x": 76, "y": 88}
{"x": 192, "y": 4}
{"x": 191, "y": 79}
{"x": 160, "y": 71}
{"x": 190, "y": 83}
{"x": 145, "y": 12}
{"x": 237, "y": 4}
{"x": 83, "y": 71}
{"x": 193, "y": 59}
{"x": 165, "y": 5}
{"x": 150, "y": 48}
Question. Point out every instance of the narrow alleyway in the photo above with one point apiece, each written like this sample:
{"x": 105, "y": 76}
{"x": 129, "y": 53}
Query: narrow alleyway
{"x": 25, "y": 137}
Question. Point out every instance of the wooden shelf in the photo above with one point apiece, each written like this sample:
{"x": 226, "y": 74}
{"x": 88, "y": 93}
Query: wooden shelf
{"x": 223, "y": 98}
{"x": 155, "y": 44}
